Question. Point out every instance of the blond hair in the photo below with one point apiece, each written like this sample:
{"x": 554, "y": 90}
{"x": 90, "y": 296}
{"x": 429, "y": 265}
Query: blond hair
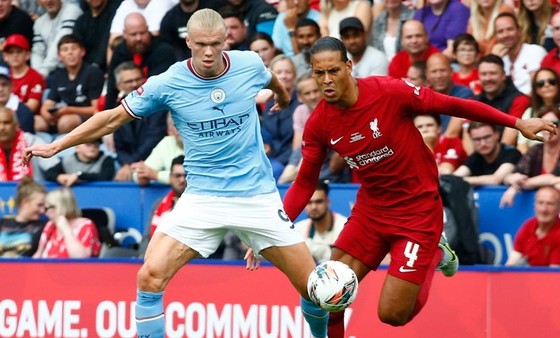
{"x": 64, "y": 202}
{"x": 207, "y": 20}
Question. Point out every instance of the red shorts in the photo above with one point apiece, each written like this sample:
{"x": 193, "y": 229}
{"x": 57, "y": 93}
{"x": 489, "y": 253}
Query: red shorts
{"x": 411, "y": 239}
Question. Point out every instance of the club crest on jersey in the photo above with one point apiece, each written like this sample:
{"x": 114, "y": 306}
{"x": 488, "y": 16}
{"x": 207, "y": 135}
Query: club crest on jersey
{"x": 373, "y": 125}
{"x": 218, "y": 95}
{"x": 140, "y": 90}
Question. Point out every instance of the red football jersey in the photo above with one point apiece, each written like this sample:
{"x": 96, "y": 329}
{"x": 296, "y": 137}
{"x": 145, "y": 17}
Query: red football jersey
{"x": 378, "y": 140}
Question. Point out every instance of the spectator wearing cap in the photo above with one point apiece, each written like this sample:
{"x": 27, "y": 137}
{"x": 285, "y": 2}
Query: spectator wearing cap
{"x": 366, "y": 60}
{"x": 27, "y": 83}
{"x": 87, "y": 164}
{"x": 11, "y": 101}
{"x": 14, "y": 21}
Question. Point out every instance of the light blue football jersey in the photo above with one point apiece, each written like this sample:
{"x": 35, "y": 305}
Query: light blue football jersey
{"x": 218, "y": 123}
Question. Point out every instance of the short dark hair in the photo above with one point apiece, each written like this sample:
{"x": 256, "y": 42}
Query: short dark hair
{"x": 231, "y": 12}
{"x": 70, "y": 38}
{"x": 126, "y": 65}
{"x": 476, "y": 125}
{"x": 178, "y": 160}
{"x": 421, "y": 66}
{"x": 467, "y": 39}
{"x": 512, "y": 16}
{"x": 330, "y": 44}
{"x": 323, "y": 185}
{"x": 304, "y": 22}
{"x": 492, "y": 58}
{"x": 435, "y": 116}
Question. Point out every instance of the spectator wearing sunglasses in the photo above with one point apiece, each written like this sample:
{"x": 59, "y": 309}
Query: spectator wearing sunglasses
{"x": 545, "y": 94}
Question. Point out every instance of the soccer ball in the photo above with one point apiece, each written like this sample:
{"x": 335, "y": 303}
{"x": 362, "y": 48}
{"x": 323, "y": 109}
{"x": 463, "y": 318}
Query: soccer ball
{"x": 333, "y": 286}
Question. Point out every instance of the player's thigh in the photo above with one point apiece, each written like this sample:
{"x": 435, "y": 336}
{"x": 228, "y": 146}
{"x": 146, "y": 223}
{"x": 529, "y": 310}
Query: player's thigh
{"x": 164, "y": 257}
{"x": 294, "y": 261}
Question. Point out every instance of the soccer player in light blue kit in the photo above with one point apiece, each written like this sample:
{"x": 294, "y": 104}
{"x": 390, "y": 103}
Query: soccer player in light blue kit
{"x": 211, "y": 98}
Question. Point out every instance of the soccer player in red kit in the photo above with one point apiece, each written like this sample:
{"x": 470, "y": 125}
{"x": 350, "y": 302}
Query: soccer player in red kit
{"x": 398, "y": 210}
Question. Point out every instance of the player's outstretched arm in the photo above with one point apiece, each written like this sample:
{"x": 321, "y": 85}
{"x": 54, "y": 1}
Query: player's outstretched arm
{"x": 530, "y": 128}
{"x": 95, "y": 127}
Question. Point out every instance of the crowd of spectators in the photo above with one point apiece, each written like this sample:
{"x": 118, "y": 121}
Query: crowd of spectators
{"x": 64, "y": 60}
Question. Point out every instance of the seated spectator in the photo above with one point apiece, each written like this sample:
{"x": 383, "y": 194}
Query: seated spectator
{"x": 540, "y": 166}
{"x": 27, "y": 83}
{"x": 12, "y": 143}
{"x": 236, "y": 32}
{"x": 416, "y": 47}
{"x": 534, "y": 21}
{"x": 499, "y": 92}
{"x": 537, "y": 242}
{"x": 552, "y": 59}
{"x": 14, "y": 20}
{"x": 309, "y": 94}
{"x": 448, "y": 151}
{"x": 152, "y": 10}
{"x": 545, "y": 94}
{"x": 481, "y": 22}
{"x": 178, "y": 182}
{"x": 92, "y": 28}
{"x": 438, "y": 77}
{"x": 466, "y": 52}
{"x": 366, "y": 60}
{"x": 444, "y": 20}
{"x": 48, "y": 29}
{"x": 67, "y": 234}
{"x": 283, "y": 33}
{"x": 86, "y": 164}
{"x": 73, "y": 90}
{"x": 158, "y": 165}
{"x": 521, "y": 59}
{"x": 278, "y": 125}
{"x": 11, "y": 101}
{"x": 134, "y": 141}
{"x": 262, "y": 44}
{"x": 19, "y": 235}
{"x": 387, "y": 27}
{"x": 307, "y": 32}
{"x": 152, "y": 55}
{"x": 322, "y": 227}
{"x": 491, "y": 160}
{"x": 332, "y": 12}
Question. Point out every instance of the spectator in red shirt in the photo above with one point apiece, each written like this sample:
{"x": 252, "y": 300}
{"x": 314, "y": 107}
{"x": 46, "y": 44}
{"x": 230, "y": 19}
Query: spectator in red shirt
{"x": 552, "y": 59}
{"x": 449, "y": 151}
{"x": 27, "y": 83}
{"x": 67, "y": 234}
{"x": 416, "y": 47}
{"x": 537, "y": 243}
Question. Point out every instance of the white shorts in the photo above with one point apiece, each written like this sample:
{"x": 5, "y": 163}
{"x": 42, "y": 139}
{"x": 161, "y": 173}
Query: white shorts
{"x": 200, "y": 222}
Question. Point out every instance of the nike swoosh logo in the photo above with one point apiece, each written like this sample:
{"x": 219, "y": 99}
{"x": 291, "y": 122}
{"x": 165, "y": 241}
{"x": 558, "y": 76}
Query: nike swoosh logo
{"x": 403, "y": 269}
{"x": 333, "y": 142}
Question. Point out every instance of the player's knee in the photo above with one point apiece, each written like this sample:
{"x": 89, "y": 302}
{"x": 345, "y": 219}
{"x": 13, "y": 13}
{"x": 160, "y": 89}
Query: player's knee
{"x": 147, "y": 280}
{"x": 394, "y": 317}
